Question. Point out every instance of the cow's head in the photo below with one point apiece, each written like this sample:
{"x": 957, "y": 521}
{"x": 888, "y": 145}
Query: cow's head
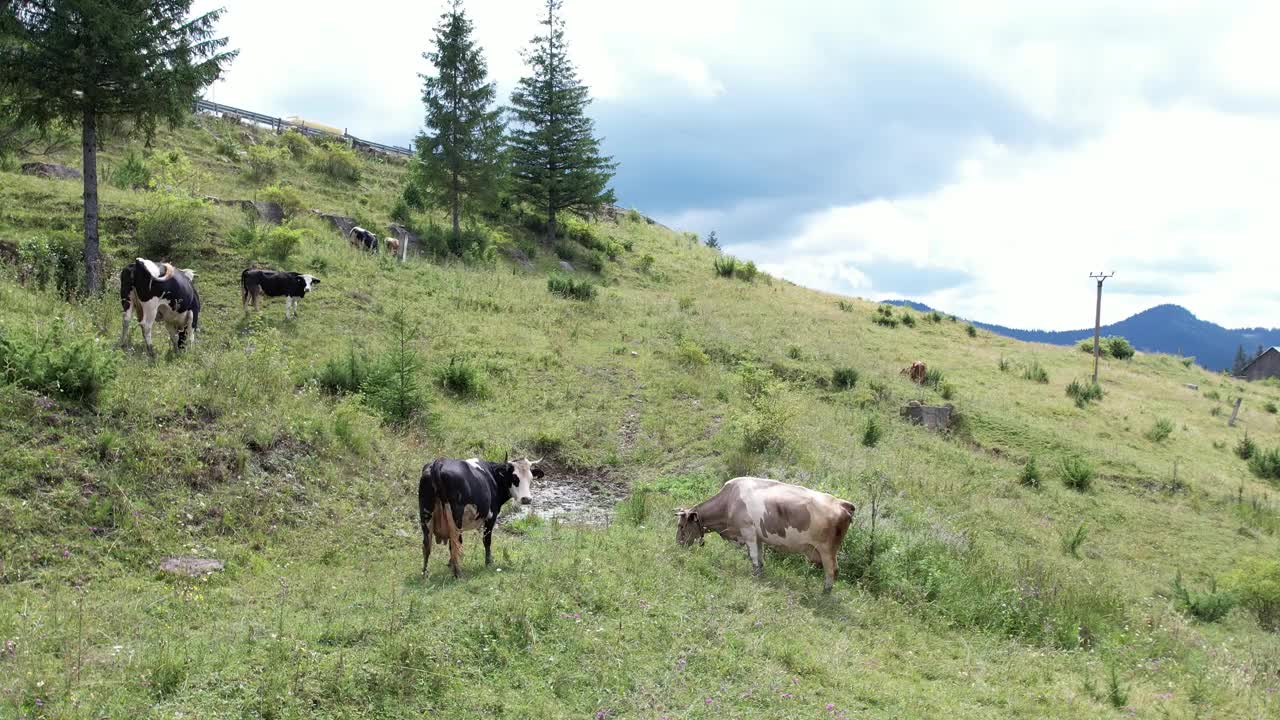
{"x": 689, "y": 528}
{"x": 309, "y": 282}
{"x": 522, "y": 472}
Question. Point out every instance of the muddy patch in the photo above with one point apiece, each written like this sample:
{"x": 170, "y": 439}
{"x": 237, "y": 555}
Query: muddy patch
{"x": 574, "y": 494}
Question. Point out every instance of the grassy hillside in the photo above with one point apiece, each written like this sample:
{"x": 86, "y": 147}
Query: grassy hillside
{"x": 976, "y": 594}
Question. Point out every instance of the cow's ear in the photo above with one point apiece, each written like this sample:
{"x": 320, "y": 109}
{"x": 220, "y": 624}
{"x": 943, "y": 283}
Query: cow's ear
{"x": 693, "y": 516}
{"x": 537, "y": 472}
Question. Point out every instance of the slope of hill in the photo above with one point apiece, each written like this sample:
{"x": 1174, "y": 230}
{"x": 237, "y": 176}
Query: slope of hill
{"x": 1163, "y": 329}
{"x": 969, "y": 593}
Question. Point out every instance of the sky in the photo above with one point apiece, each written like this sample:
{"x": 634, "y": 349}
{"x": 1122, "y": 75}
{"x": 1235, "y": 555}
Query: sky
{"x": 980, "y": 157}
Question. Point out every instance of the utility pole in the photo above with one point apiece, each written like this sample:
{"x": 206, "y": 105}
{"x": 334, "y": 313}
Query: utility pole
{"x": 1097, "y": 321}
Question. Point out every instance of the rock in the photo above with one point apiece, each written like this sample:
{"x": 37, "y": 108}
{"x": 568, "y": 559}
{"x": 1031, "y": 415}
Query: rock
{"x": 518, "y": 256}
{"x": 635, "y": 354}
{"x": 50, "y": 170}
{"x": 934, "y": 417}
{"x": 405, "y": 235}
{"x": 1192, "y": 386}
{"x": 402, "y": 533}
{"x": 189, "y": 566}
{"x": 269, "y": 212}
{"x": 564, "y": 265}
{"x": 342, "y": 223}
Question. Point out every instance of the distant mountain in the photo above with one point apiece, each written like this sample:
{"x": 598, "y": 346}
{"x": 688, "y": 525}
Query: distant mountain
{"x": 1163, "y": 328}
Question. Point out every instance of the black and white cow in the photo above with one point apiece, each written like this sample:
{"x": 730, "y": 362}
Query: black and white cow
{"x": 158, "y": 291}
{"x": 363, "y": 239}
{"x": 273, "y": 283}
{"x": 459, "y": 495}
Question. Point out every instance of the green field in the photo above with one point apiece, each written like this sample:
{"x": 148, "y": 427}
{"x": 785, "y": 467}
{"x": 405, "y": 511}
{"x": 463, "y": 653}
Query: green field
{"x": 977, "y": 596}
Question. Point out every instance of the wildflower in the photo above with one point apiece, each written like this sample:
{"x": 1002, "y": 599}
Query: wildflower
{"x": 831, "y": 706}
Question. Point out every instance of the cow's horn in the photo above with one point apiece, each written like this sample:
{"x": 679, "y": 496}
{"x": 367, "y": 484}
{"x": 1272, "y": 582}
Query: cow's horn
{"x": 535, "y": 462}
{"x": 506, "y": 456}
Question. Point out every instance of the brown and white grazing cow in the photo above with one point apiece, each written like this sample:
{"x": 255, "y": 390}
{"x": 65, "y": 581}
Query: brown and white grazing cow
{"x": 918, "y": 372}
{"x": 755, "y": 512}
{"x": 392, "y": 245}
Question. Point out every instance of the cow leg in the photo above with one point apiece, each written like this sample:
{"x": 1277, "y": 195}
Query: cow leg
{"x": 148, "y": 319}
{"x": 829, "y": 567}
{"x": 455, "y": 553}
{"x": 488, "y": 539}
{"x": 424, "y": 519}
{"x": 125, "y": 329}
{"x": 755, "y": 551}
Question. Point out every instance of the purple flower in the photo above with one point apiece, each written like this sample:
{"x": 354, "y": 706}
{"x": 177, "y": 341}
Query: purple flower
{"x": 602, "y": 714}
{"x": 831, "y": 706}
{"x": 786, "y": 696}
{"x": 709, "y": 701}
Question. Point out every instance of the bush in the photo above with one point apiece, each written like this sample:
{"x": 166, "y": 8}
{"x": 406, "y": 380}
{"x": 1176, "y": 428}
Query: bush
{"x": 1077, "y": 473}
{"x": 596, "y": 261}
{"x": 844, "y": 305}
{"x": 1035, "y": 372}
{"x": 287, "y": 197}
{"x": 55, "y": 364}
{"x": 1208, "y": 607}
{"x": 690, "y": 355}
{"x": 1030, "y": 475}
{"x": 646, "y": 264}
{"x": 132, "y": 174}
{"x": 1270, "y": 407}
{"x": 274, "y": 242}
{"x": 281, "y": 242}
{"x": 1119, "y": 348}
{"x": 568, "y": 287}
{"x": 1160, "y": 430}
{"x": 41, "y": 260}
{"x": 908, "y": 319}
{"x": 227, "y": 148}
{"x": 884, "y": 317}
{"x": 338, "y": 163}
{"x": 1084, "y": 392}
{"x": 400, "y": 211}
{"x": 947, "y": 390}
{"x": 462, "y": 378}
{"x": 1072, "y": 541}
{"x": 1086, "y": 346}
{"x": 1003, "y": 365}
{"x": 933, "y": 377}
{"x": 844, "y": 378}
{"x": 747, "y": 271}
{"x": 1265, "y": 464}
{"x": 1255, "y": 583}
{"x": 764, "y": 427}
{"x": 971, "y": 331}
{"x": 1212, "y": 395}
{"x": 726, "y": 266}
{"x": 264, "y": 162}
{"x": 297, "y": 144}
{"x": 934, "y": 317}
{"x": 345, "y": 374}
{"x": 871, "y": 432}
{"x": 392, "y": 386}
{"x": 172, "y": 225}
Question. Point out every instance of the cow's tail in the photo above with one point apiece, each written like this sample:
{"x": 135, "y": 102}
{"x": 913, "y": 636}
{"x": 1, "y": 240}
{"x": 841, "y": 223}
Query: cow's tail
{"x": 244, "y": 286}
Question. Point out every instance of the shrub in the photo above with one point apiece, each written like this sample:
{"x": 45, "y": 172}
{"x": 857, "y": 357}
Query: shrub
{"x": 1160, "y": 430}
{"x": 726, "y": 266}
{"x": 344, "y": 374}
{"x": 1035, "y": 372}
{"x": 886, "y": 320}
{"x": 871, "y": 432}
{"x": 227, "y": 148}
{"x": 764, "y": 427}
{"x": 1086, "y": 346}
{"x": 1084, "y": 392}
{"x": 1119, "y": 348}
{"x": 947, "y": 390}
{"x": 844, "y": 305}
{"x": 1030, "y": 475}
{"x": 1212, "y": 395}
{"x": 258, "y": 241}
{"x": 934, "y": 317}
{"x": 297, "y": 144}
{"x": 264, "y": 162}
{"x": 338, "y": 163}
{"x": 59, "y": 260}
{"x": 1256, "y": 584}
{"x": 596, "y": 261}
{"x": 1265, "y": 464}
{"x": 462, "y": 378}
{"x": 690, "y": 355}
{"x": 56, "y": 364}
{"x": 844, "y": 378}
{"x": 132, "y": 174}
{"x": 634, "y": 216}
{"x": 1077, "y": 473}
{"x": 281, "y": 242}
{"x": 173, "y": 224}
{"x": 971, "y": 331}
{"x": 392, "y": 386}
{"x": 1208, "y": 607}
{"x": 1270, "y": 407}
{"x": 1186, "y": 361}
{"x": 747, "y": 272}
{"x": 1215, "y": 411}
{"x": 568, "y": 287}
{"x": 1072, "y": 541}
{"x": 646, "y": 264}
{"x": 933, "y": 377}
{"x": 287, "y": 197}
{"x": 908, "y": 319}
{"x": 1117, "y": 694}
{"x": 1003, "y": 364}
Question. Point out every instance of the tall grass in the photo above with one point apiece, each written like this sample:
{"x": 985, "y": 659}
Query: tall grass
{"x": 1077, "y": 473}
{"x": 1083, "y": 393}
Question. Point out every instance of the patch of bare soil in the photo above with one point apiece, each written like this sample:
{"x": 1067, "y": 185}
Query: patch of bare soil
{"x": 574, "y": 494}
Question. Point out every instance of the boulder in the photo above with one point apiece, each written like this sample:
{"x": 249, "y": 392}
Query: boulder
{"x": 565, "y": 266}
{"x": 517, "y": 255}
{"x": 267, "y": 211}
{"x": 934, "y": 417}
{"x": 402, "y": 233}
{"x": 341, "y": 223}
{"x": 50, "y": 170}
{"x": 190, "y": 566}
{"x": 1192, "y": 386}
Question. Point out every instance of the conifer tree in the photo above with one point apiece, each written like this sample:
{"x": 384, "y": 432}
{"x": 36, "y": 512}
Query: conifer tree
{"x": 556, "y": 163}
{"x": 86, "y": 62}
{"x": 1240, "y": 360}
{"x": 459, "y": 149}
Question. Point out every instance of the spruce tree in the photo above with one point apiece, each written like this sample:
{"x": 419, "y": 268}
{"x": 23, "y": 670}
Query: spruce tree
{"x": 1240, "y": 360}
{"x": 556, "y": 163}
{"x": 461, "y": 144}
{"x": 88, "y": 62}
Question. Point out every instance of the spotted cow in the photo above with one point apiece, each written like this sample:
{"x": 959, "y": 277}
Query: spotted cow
{"x": 154, "y": 291}
{"x": 755, "y": 512}
{"x": 459, "y": 495}
{"x": 255, "y": 282}
{"x": 363, "y": 239}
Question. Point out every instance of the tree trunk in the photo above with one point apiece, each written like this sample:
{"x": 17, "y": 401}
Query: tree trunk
{"x": 89, "y": 141}
{"x": 551, "y": 226}
{"x": 457, "y": 211}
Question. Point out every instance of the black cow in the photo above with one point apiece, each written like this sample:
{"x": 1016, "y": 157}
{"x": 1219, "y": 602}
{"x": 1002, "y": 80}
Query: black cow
{"x": 154, "y": 291}
{"x": 363, "y": 239}
{"x": 459, "y": 495}
{"x": 273, "y": 283}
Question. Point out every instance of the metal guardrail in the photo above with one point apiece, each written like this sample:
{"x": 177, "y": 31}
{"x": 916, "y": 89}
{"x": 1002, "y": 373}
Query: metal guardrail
{"x": 280, "y": 125}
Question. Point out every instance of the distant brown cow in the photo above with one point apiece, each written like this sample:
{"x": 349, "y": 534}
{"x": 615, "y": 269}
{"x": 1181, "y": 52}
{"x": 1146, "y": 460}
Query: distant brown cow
{"x": 755, "y": 512}
{"x": 917, "y": 372}
{"x": 392, "y": 244}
